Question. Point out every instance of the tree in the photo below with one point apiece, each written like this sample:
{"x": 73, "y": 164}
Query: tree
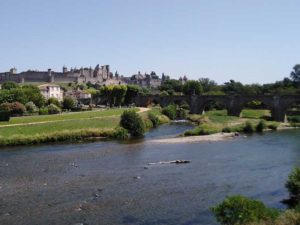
{"x": 9, "y": 85}
{"x": 208, "y": 85}
{"x": 34, "y": 94}
{"x": 233, "y": 87}
{"x": 131, "y": 93}
{"x": 53, "y": 101}
{"x": 132, "y": 121}
{"x": 53, "y": 109}
{"x": 17, "y": 108}
{"x": 192, "y": 87}
{"x": 119, "y": 92}
{"x": 293, "y": 186}
{"x": 69, "y": 103}
{"x": 295, "y": 74}
{"x": 171, "y": 84}
{"x": 235, "y": 210}
{"x": 31, "y": 107}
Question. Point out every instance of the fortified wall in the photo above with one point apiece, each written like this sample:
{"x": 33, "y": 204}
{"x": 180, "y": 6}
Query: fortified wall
{"x": 97, "y": 75}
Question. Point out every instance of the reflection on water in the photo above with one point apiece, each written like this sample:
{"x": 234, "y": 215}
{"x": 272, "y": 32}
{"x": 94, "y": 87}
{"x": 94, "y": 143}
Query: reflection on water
{"x": 113, "y": 183}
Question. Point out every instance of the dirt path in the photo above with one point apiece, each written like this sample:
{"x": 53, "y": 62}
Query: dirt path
{"x": 141, "y": 110}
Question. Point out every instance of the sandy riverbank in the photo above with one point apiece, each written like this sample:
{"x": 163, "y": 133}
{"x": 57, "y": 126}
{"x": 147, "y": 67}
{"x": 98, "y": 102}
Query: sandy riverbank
{"x": 191, "y": 139}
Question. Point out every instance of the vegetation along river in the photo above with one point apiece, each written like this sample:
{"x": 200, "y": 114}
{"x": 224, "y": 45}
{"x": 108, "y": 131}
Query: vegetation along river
{"x": 116, "y": 183}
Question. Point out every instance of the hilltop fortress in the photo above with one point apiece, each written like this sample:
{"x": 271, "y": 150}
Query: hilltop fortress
{"x": 100, "y": 74}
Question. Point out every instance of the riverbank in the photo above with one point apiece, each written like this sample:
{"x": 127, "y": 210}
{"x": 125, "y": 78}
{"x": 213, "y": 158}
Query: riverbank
{"x": 193, "y": 139}
{"x": 71, "y": 127}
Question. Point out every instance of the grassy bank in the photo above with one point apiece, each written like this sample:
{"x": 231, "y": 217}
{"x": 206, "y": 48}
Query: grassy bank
{"x": 218, "y": 121}
{"x": 69, "y": 127}
{"x": 62, "y": 127}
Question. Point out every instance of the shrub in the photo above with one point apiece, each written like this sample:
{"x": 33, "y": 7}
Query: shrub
{"x": 53, "y": 101}
{"x": 236, "y": 210}
{"x": 185, "y": 106}
{"x": 261, "y": 126}
{"x": 273, "y": 126}
{"x": 203, "y": 129}
{"x": 248, "y": 128}
{"x": 43, "y": 111}
{"x": 69, "y": 103}
{"x": 53, "y": 109}
{"x": 154, "y": 119}
{"x": 120, "y": 133}
{"x": 17, "y": 108}
{"x": 170, "y": 111}
{"x": 132, "y": 121}
{"x": 293, "y": 186}
{"x": 181, "y": 113}
{"x": 31, "y": 107}
{"x": 6, "y": 107}
{"x": 5, "y": 111}
{"x": 237, "y": 128}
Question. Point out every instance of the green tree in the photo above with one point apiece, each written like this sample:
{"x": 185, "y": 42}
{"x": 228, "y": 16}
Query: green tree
{"x": 8, "y": 85}
{"x": 132, "y": 121}
{"x": 171, "y": 84}
{"x": 192, "y": 87}
{"x": 53, "y": 109}
{"x": 295, "y": 74}
{"x": 69, "y": 103}
{"x": 34, "y": 95}
{"x": 53, "y": 101}
{"x": 233, "y": 87}
{"x": 293, "y": 186}
{"x": 131, "y": 93}
{"x": 238, "y": 210}
{"x": 208, "y": 85}
{"x": 119, "y": 92}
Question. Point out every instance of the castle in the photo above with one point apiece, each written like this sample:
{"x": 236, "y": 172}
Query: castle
{"x": 99, "y": 75}
{"x": 83, "y": 75}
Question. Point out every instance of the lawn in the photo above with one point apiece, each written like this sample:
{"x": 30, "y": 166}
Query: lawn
{"x": 64, "y": 116}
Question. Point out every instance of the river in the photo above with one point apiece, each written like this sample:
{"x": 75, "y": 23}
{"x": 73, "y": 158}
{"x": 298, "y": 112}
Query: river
{"x": 113, "y": 183}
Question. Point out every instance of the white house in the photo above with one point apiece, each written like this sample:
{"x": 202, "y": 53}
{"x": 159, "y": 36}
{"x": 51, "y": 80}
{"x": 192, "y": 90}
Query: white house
{"x": 51, "y": 91}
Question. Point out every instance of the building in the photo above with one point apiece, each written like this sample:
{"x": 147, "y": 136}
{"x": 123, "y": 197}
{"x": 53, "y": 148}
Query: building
{"x": 51, "y": 91}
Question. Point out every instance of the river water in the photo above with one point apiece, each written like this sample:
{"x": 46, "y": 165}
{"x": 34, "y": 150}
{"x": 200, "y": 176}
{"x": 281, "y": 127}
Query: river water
{"x": 112, "y": 183}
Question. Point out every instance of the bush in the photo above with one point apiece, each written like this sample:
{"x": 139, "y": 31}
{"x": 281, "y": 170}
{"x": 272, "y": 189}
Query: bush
{"x": 17, "y": 108}
{"x": 236, "y": 210}
{"x": 120, "y": 133}
{"x": 261, "y": 126}
{"x": 53, "y": 109}
{"x": 181, "y": 113}
{"x": 7, "y": 107}
{"x": 293, "y": 186}
{"x": 273, "y": 126}
{"x": 4, "y": 115}
{"x": 69, "y": 103}
{"x": 53, "y": 101}
{"x": 203, "y": 129}
{"x": 154, "y": 119}
{"x": 31, "y": 107}
{"x": 43, "y": 111}
{"x": 170, "y": 111}
{"x": 132, "y": 121}
{"x": 248, "y": 128}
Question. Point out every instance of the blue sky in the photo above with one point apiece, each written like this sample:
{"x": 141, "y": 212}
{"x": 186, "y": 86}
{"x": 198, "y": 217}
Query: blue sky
{"x": 253, "y": 41}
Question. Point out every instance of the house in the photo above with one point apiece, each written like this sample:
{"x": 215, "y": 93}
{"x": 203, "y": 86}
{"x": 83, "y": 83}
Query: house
{"x": 51, "y": 91}
{"x": 81, "y": 96}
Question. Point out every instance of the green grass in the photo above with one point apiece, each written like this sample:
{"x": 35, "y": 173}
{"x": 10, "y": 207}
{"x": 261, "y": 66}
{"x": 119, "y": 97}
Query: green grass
{"x": 64, "y": 116}
{"x": 220, "y": 116}
{"x": 255, "y": 113}
{"x": 44, "y": 128}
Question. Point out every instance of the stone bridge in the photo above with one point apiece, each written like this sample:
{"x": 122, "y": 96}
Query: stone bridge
{"x": 278, "y": 105}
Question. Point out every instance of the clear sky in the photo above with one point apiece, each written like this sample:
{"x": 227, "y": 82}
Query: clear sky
{"x": 253, "y": 41}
